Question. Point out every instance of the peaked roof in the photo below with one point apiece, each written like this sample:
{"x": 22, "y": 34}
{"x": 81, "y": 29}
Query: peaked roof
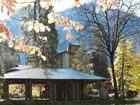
{"x": 26, "y": 72}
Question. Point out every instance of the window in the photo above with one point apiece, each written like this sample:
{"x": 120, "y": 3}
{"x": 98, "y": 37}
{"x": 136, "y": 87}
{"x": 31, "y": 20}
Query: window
{"x": 17, "y": 91}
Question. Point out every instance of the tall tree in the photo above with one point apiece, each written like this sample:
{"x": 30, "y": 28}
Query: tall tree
{"x": 127, "y": 67}
{"x": 46, "y": 40}
{"x": 8, "y": 58}
{"x": 99, "y": 59}
{"x": 111, "y": 26}
{"x": 49, "y": 48}
{"x": 81, "y": 60}
{"x": 100, "y": 66}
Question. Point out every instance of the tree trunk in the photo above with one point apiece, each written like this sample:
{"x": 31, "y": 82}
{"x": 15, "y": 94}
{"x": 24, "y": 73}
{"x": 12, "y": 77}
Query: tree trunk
{"x": 122, "y": 75}
{"x": 114, "y": 78}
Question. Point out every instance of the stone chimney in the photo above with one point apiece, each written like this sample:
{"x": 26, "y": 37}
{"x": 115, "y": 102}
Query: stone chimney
{"x": 65, "y": 59}
{"x": 68, "y": 55}
{"x": 66, "y": 52}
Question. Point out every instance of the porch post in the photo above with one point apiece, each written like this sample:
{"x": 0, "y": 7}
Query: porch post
{"x": 84, "y": 90}
{"x": 50, "y": 90}
{"x": 46, "y": 90}
{"x": 28, "y": 90}
{"x": 5, "y": 89}
{"x": 76, "y": 90}
{"x": 54, "y": 90}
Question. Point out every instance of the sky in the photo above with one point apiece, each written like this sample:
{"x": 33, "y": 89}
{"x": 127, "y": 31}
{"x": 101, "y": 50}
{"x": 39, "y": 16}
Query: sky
{"x": 62, "y": 5}
{"x": 59, "y": 5}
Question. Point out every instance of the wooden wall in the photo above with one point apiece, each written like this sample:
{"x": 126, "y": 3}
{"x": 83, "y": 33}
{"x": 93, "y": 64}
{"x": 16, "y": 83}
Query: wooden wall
{"x": 58, "y": 89}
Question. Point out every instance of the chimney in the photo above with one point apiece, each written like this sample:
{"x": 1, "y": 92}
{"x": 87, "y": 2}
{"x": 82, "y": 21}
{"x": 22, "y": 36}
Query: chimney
{"x": 65, "y": 59}
{"x": 66, "y": 51}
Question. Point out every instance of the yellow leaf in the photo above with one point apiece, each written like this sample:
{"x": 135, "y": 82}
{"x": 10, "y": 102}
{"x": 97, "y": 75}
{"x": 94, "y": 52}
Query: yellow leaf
{"x": 44, "y": 4}
{"x": 105, "y": 7}
{"x": 30, "y": 23}
{"x": 45, "y": 38}
{"x": 0, "y": 40}
{"x": 32, "y": 51}
{"x": 17, "y": 48}
{"x": 77, "y": 28}
{"x": 58, "y": 22}
{"x": 36, "y": 28}
{"x": 68, "y": 36}
{"x": 81, "y": 27}
{"x": 10, "y": 44}
{"x": 48, "y": 28}
{"x": 112, "y": 1}
{"x": 51, "y": 18}
{"x": 97, "y": 10}
{"x": 42, "y": 27}
{"x": 43, "y": 57}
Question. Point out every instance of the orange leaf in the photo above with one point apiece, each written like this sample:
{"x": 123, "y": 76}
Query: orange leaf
{"x": 77, "y": 3}
{"x": 4, "y": 30}
{"x": 68, "y": 36}
{"x": 58, "y": 22}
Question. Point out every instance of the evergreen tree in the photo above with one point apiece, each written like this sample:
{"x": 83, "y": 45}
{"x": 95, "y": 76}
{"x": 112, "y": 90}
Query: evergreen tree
{"x": 99, "y": 58}
{"x": 127, "y": 67}
{"x": 49, "y": 47}
{"x": 47, "y": 41}
{"x": 8, "y": 59}
{"x": 100, "y": 67}
{"x": 81, "y": 60}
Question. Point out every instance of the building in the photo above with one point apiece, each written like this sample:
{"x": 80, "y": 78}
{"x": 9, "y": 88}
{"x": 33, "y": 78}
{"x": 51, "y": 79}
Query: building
{"x": 66, "y": 53}
{"x": 58, "y": 84}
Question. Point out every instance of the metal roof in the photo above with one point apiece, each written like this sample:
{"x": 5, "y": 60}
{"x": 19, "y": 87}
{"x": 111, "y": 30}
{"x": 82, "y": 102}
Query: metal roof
{"x": 53, "y": 74}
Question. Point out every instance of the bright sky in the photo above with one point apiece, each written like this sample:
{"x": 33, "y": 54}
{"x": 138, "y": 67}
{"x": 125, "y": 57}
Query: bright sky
{"x": 59, "y": 5}
{"x": 62, "y": 5}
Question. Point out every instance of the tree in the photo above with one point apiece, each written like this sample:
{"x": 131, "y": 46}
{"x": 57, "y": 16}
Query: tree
{"x": 81, "y": 60}
{"x": 11, "y": 6}
{"x": 127, "y": 67}
{"x": 100, "y": 67}
{"x": 52, "y": 41}
{"x": 8, "y": 59}
{"x": 46, "y": 40}
{"x": 99, "y": 59}
{"x": 112, "y": 25}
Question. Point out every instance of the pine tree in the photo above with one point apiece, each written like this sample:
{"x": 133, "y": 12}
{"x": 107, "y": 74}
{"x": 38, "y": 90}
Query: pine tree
{"x": 127, "y": 67}
{"x": 99, "y": 58}
{"x": 49, "y": 48}
{"x": 81, "y": 60}
{"x": 8, "y": 59}
{"x": 47, "y": 41}
{"x": 100, "y": 67}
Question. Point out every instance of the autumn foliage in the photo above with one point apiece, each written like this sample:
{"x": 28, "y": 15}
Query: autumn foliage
{"x": 5, "y": 34}
{"x": 9, "y": 7}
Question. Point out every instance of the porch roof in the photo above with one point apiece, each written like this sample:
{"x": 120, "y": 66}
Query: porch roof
{"x": 26, "y": 72}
